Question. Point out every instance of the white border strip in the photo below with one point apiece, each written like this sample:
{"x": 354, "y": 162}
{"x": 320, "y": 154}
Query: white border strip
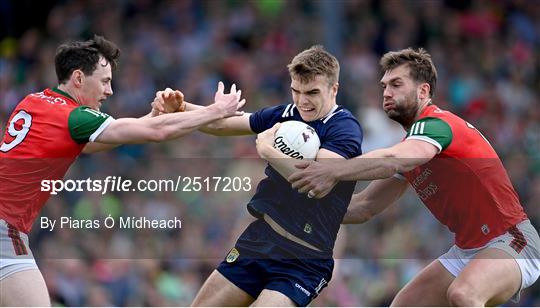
{"x": 100, "y": 129}
{"x": 428, "y": 140}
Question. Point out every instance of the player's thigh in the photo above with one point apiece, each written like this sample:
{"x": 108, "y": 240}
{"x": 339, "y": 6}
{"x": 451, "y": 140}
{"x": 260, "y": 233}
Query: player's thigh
{"x": 219, "y": 291}
{"x": 492, "y": 277}
{"x": 428, "y": 288}
{"x": 271, "y": 298}
{"x": 25, "y": 288}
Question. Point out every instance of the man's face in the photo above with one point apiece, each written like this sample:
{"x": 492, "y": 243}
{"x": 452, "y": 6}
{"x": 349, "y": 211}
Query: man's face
{"x": 400, "y": 95}
{"x": 314, "y": 99}
{"x": 97, "y": 87}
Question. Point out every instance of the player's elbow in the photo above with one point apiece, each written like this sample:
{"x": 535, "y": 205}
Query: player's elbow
{"x": 358, "y": 212}
{"x": 358, "y": 216}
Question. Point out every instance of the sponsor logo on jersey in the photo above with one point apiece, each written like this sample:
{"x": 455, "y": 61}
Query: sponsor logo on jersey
{"x": 232, "y": 256}
{"x": 427, "y": 192}
{"x": 421, "y": 178}
{"x": 50, "y": 99}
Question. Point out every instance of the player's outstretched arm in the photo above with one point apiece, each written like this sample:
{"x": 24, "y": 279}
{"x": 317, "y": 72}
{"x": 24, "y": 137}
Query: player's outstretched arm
{"x": 379, "y": 195}
{"x": 167, "y": 97}
{"x": 320, "y": 178}
{"x": 173, "y": 125}
{"x": 233, "y": 126}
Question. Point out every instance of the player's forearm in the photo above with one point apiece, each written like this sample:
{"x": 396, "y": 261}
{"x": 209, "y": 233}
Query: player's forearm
{"x": 362, "y": 168}
{"x": 279, "y": 161}
{"x": 216, "y": 128}
{"x": 233, "y": 126}
{"x": 370, "y": 202}
{"x": 161, "y": 128}
{"x": 378, "y": 164}
{"x": 375, "y": 198}
{"x": 364, "y": 205}
{"x": 175, "y": 125}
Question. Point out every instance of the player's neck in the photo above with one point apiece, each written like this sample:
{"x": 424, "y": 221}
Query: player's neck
{"x": 421, "y": 107}
{"x": 407, "y": 121}
{"x": 68, "y": 92}
{"x": 329, "y": 110}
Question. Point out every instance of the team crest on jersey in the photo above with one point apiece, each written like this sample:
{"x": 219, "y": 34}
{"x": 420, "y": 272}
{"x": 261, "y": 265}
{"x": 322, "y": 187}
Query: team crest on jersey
{"x": 232, "y": 256}
{"x": 307, "y": 228}
{"x": 485, "y": 229}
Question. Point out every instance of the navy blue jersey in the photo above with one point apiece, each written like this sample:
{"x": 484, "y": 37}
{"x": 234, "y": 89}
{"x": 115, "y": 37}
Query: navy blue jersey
{"x": 316, "y": 221}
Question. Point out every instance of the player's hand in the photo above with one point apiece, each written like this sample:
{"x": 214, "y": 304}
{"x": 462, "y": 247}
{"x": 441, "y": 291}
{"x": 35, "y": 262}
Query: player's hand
{"x": 265, "y": 140}
{"x": 228, "y": 105}
{"x": 168, "y": 101}
{"x": 314, "y": 178}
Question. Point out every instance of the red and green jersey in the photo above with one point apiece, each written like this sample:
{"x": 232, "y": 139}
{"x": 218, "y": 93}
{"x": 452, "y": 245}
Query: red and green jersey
{"x": 44, "y": 134}
{"x": 465, "y": 185}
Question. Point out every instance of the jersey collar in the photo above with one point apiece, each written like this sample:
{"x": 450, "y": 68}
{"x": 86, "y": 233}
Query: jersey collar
{"x": 58, "y": 91}
{"x": 430, "y": 106}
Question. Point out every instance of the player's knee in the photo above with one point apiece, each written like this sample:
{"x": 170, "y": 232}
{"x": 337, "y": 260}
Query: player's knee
{"x": 461, "y": 295}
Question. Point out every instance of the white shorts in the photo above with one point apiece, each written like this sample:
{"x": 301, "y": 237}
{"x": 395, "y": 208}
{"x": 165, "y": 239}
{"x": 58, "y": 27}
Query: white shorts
{"x": 15, "y": 254}
{"x": 521, "y": 242}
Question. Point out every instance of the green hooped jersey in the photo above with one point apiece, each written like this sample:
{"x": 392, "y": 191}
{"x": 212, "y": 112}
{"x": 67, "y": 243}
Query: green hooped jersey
{"x": 465, "y": 185}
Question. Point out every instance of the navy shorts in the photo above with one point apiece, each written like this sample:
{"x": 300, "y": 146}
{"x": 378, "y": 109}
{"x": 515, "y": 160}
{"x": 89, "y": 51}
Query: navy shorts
{"x": 263, "y": 259}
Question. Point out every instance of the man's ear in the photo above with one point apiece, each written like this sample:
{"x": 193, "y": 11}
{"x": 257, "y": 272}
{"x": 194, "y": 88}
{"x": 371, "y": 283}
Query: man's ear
{"x": 423, "y": 90}
{"x": 335, "y": 88}
{"x": 77, "y": 77}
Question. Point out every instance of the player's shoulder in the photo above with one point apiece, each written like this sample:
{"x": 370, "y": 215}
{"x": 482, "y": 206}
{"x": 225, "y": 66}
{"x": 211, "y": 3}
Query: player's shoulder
{"x": 282, "y": 110}
{"x": 46, "y": 100}
{"x": 286, "y": 110}
{"x": 433, "y": 111}
{"x": 44, "y": 106}
{"x": 340, "y": 116}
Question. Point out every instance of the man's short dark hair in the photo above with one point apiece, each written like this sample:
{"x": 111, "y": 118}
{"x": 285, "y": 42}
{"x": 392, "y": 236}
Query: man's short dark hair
{"x": 313, "y": 62}
{"x": 419, "y": 62}
{"x": 84, "y": 55}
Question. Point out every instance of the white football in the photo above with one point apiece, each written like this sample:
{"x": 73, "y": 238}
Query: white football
{"x": 297, "y": 140}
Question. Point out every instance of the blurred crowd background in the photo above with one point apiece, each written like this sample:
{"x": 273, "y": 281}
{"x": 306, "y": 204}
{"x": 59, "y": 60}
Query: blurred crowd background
{"x": 487, "y": 56}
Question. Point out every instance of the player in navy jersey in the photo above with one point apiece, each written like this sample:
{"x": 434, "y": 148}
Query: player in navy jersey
{"x": 284, "y": 258}
{"x": 458, "y": 176}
